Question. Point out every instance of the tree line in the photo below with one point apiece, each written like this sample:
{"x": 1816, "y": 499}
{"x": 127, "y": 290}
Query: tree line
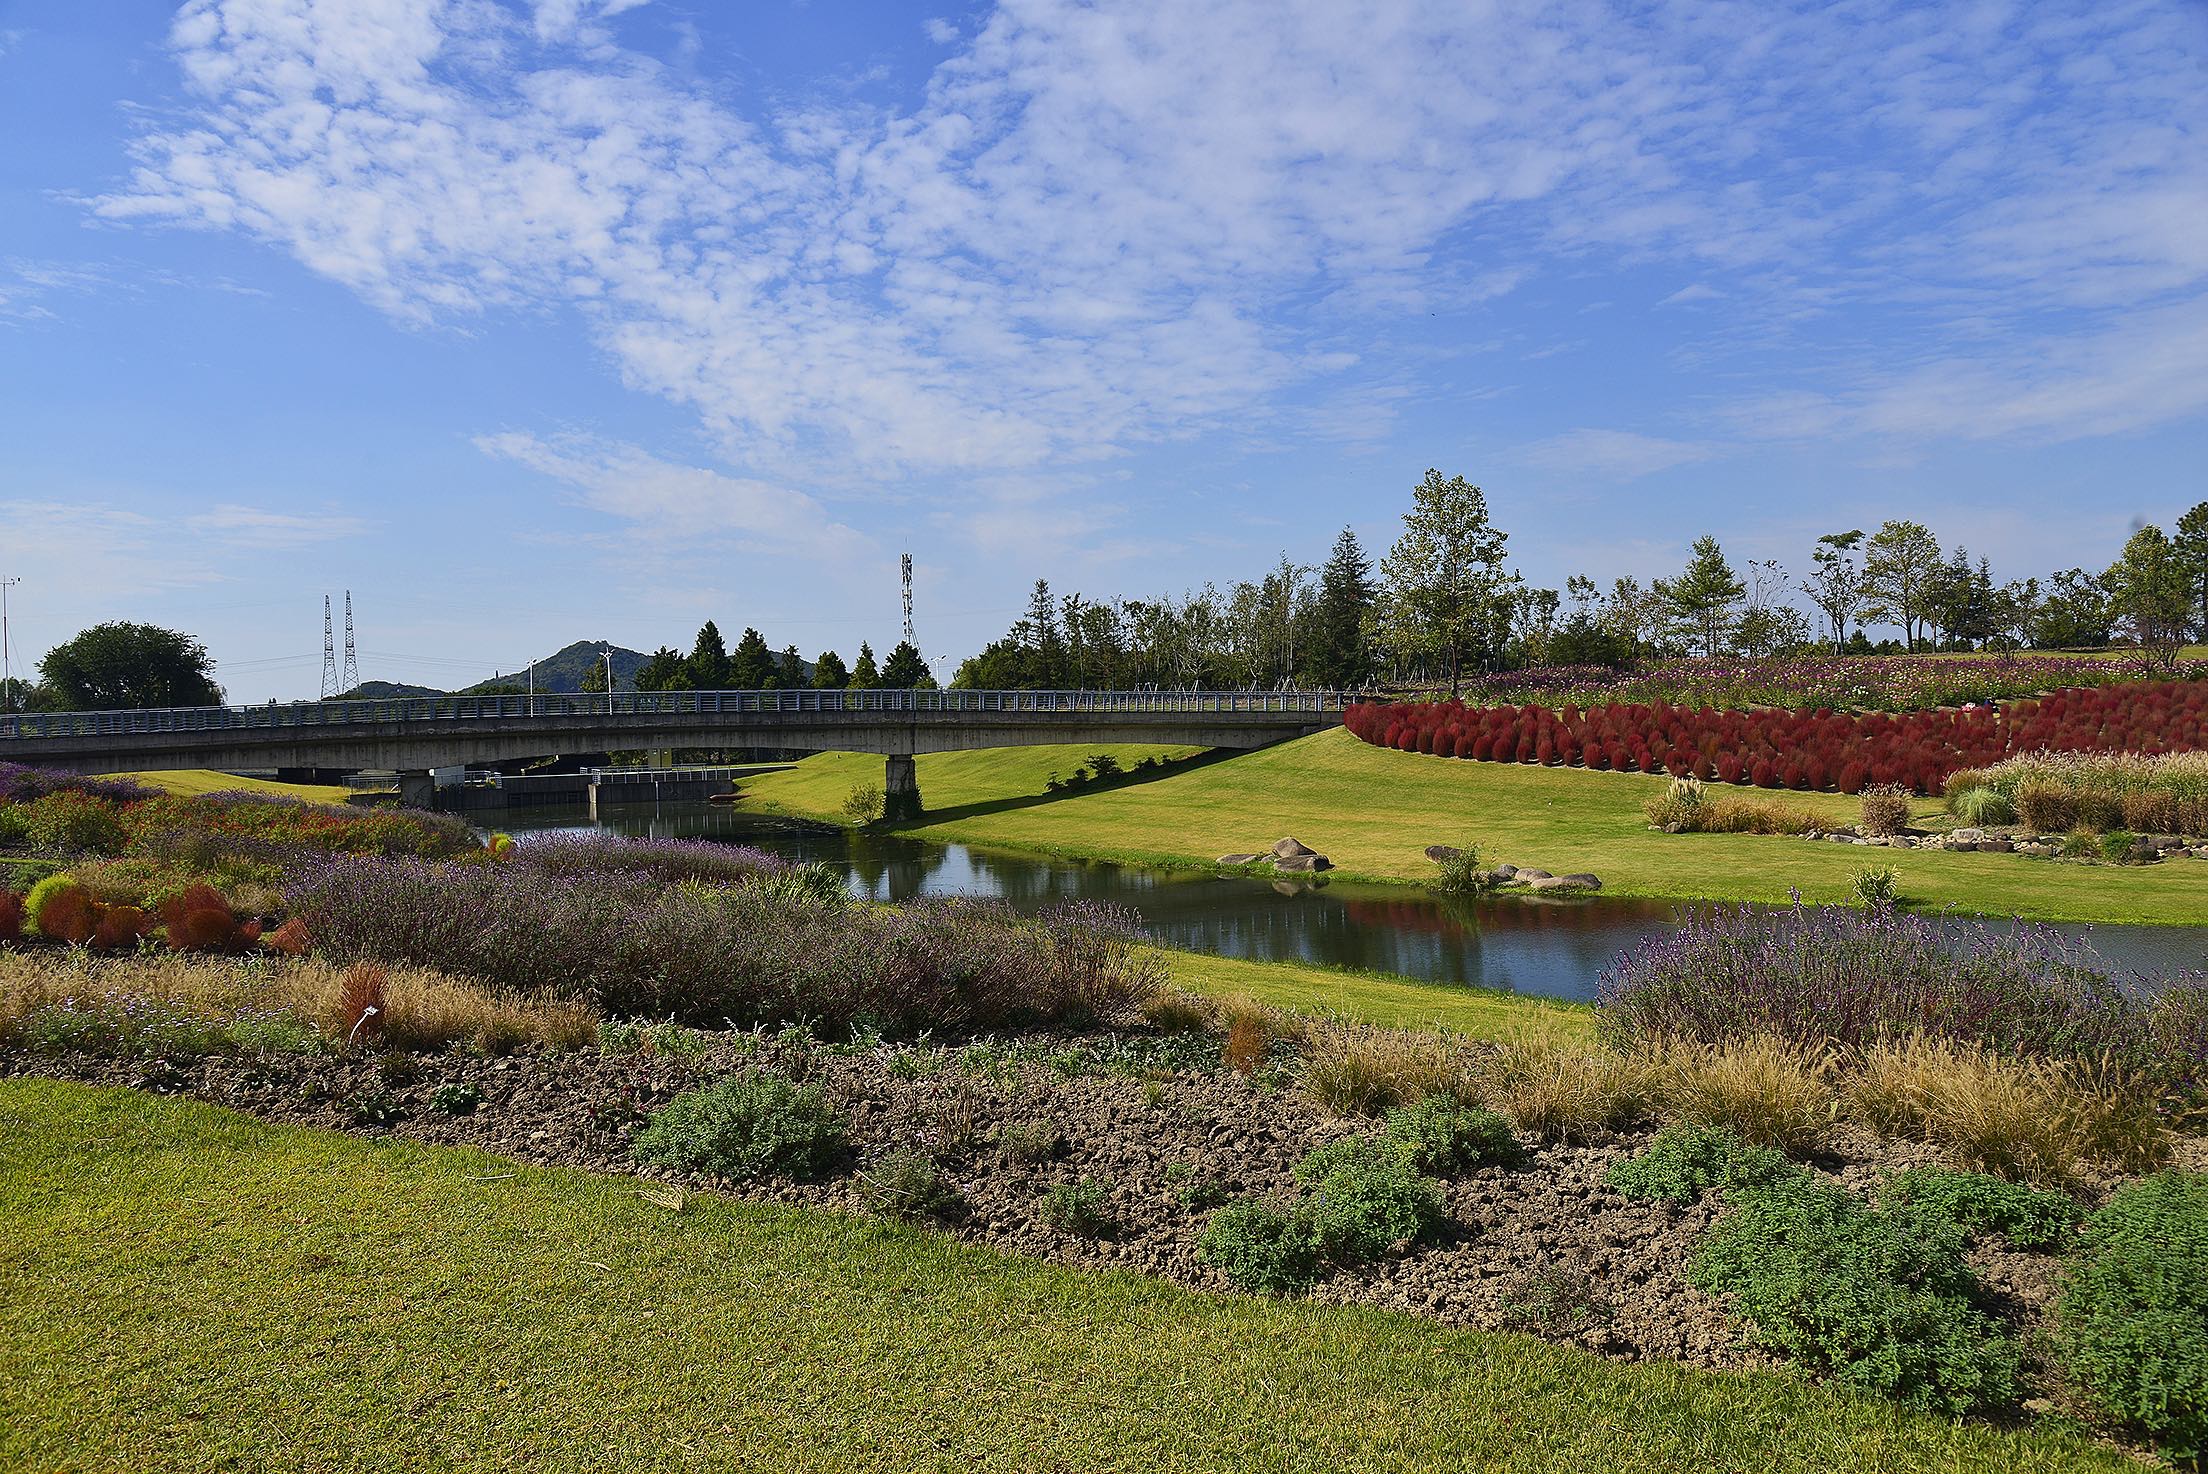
{"x": 1443, "y": 604}
{"x": 753, "y": 666}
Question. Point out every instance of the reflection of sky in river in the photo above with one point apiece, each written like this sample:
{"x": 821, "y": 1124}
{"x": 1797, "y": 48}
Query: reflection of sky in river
{"x": 1557, "y": 948}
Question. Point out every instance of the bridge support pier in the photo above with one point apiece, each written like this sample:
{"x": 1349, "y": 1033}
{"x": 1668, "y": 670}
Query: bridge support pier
{"x": 901, "y": 789}
{"x": 418, "y": 790}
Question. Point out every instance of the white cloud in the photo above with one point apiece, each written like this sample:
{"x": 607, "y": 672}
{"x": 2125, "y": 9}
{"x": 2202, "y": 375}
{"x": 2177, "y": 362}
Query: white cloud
{"x": 1614, "y": 455}
{"x": 253, "y": 527}
{"x": 1105, "y": 227}
{"x": 688, "y": 502}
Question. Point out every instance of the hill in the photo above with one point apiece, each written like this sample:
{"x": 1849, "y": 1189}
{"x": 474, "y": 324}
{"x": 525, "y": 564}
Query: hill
{"x": 563, "y": 669}
{"x": 385, "y": 691}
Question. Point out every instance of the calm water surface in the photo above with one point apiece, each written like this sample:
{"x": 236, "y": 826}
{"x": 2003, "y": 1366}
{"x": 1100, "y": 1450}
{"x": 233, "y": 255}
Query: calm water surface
{"x": 1557, "y": 948}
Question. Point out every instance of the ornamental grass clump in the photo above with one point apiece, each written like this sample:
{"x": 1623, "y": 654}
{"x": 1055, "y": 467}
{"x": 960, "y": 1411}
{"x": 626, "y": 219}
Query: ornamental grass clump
{"x": 708, "y": 955}
{"x": 1767, "y": 1090}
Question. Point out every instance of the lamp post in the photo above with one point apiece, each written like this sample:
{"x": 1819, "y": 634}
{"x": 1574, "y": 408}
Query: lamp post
{"x": 7, "y": 661}
{"x": 609, "y": 679}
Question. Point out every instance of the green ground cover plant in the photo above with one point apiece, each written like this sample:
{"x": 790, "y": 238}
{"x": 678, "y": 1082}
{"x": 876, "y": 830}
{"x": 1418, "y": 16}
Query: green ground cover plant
{"x": 1685, "y": 1161}
{"x": 750, "y": 1125}
{"x": 1444, "y": 1136}
{"x": 2029, "y": 1218}
{"x": 734, "y": 1334}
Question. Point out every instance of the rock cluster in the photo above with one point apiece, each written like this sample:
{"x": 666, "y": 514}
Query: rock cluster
{"x": 1519, "y": 876}
{"x": 1289, "y": 854}
{"x": 2146, "y": 849}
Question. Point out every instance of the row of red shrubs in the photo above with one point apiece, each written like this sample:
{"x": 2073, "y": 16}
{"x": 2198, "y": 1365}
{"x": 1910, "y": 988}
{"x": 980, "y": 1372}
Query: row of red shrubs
{"x": 1802, "y": 749}
{"x": 196, "y": 919}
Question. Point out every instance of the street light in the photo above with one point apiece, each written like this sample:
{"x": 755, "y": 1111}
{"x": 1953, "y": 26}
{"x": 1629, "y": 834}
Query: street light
{"x": 7, "y": 661}
{"x": 609, "y": 679}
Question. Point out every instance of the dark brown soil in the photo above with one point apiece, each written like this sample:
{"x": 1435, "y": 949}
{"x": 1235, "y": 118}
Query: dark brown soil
{"x": 1545, "y": 1247}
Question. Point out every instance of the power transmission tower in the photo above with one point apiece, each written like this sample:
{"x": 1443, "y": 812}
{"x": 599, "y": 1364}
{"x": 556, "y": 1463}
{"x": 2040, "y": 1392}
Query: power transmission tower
{"x": 329, "y": 653}
{"x": 352, "y": 664}
{"x": 908, "y": 598}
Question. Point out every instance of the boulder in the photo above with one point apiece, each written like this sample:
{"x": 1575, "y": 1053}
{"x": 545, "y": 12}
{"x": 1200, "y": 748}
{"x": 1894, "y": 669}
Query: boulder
{"x": 1505, "y": 872}
{"x": 1524, "y": 875}
{"x": 1240, "y": 859}
{"x": 1958, "y": 837}
{"x": 1442, "y": 854}
{"x": 1308, "y": 861}
{"x": 1564, "y": 883}
{"x": 1290, "y": 847}
{"x": 1582, "y": 879}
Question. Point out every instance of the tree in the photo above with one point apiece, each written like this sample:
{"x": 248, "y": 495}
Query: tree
{"x": 1338, "y": 653}
{"x": 789, "y": 670}
{"x": 1445, "y": 574}
{"x": 864, "y": 677}
{"x": 905, "y": 670}
{"x": 2151, "y": 594}
{"x": 2190, "y": 545}
{"x": 665, "y": 671}
{"x": 2074, "y": 614}
{"x": 1901, "y": 563}
{"x": 593, "y": 678}
{"x": 120, "y": 665}
{"x": 708, "y": 663}
{"x": 1703, "y": 598}
{"x": 1040, "y": 633}
{"x": 1836, "y": 588}
{"x": 829, "y": 671}
{"x": 751, "y": 667}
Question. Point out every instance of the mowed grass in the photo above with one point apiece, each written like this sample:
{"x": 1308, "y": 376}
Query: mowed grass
{"x": 191, "y": 1289}
{"x": 189, "y": 782}
{"x": 1384, "y": 999}
{"x": 1374, "y": 811}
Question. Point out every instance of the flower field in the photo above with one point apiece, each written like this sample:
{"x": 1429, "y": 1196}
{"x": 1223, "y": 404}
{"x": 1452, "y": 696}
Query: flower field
{"x": 1800, "y": 748}
{"x": 1859, "y": 682}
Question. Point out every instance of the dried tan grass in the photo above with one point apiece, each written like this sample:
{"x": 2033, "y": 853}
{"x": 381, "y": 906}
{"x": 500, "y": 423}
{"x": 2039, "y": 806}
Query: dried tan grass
{"x": 1767, "y": 1090}
{"x": 2038, "y": 1120}
{"x": 1355, "y": 1071}
{"x": 420, "y": 1010}
{"x": 1562, "y": 1092}
{"x": 1176, "y": 1011}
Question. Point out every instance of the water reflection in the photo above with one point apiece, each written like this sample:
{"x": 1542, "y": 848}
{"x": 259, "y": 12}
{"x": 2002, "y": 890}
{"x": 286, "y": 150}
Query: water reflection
{"x": 1548, "y": 946}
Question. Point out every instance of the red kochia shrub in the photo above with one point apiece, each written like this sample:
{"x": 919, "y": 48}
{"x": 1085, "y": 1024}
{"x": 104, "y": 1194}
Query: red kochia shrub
{"x": 290, "y": 938}
{"x": 11, "y": 917}
{"x": 121, "y": 929}
{"x": 198, "y": 919}
{"x": 68, "y": 915}
{"x": 1812, "y": 748}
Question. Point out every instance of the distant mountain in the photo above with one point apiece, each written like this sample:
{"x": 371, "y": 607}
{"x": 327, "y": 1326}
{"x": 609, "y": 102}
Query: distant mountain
{"x": 385, "y": 690}
{"x": 563, "y": 670}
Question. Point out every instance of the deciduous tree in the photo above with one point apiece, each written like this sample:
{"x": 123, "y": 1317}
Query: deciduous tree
{"x": 123, "y": 665}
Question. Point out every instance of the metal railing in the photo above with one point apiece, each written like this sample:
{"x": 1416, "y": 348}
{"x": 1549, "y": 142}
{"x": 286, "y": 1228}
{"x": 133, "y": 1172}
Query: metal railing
{"x": 861, "y": 704}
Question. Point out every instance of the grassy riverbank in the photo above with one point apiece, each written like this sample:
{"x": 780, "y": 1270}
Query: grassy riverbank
{"x": 190, "y": 782}
{"x": 1374, "y": 811}
{"x": 192, "y": 1289}
{"x": 1381, "y": 998}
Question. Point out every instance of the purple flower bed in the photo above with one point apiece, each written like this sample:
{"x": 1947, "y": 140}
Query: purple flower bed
{"x": 1818, "y": 974}
{"x": 637, "y": 947}
{"x": 21, "y": 785}
{"x": 666, "y": 860}
{"x": 1877, "y": 682}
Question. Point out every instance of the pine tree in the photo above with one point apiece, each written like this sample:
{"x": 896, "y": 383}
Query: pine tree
{"x": 829, "y": 671}
{"x": 864, "y": 676}
{"x": 1040, "y": 633}
{"x": 789, "y": 671}
{"x": 708, "y": 663}
{"x": 751, "y": 668}
{"x": 1704, "y": 596}
{"x": 906, "y": 671}
{"x": 665, "y": 671}
{"x": 1338, "y": 654}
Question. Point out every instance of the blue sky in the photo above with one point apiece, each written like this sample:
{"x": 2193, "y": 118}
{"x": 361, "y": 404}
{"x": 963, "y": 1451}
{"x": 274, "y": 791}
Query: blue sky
{"x": 527, "y": 322}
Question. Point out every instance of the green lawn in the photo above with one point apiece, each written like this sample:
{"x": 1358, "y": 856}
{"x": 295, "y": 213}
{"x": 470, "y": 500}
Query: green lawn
{"x": 192, "y": 781}
{"x": 189, "y": 1289}
{"x": 1384, "y": 999}
{"x": 1374, "y": 811}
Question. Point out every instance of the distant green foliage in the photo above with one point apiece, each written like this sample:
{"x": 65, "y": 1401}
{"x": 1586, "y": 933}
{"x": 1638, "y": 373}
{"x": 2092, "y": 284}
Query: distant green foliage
{"x": 1684, "y": 1161}
{"x": 752, "y": 1125}
{"x": 2029, "y": 1218}
{"x": 1879, "y": 1299}
{"x": 1262, "y": 1249}
{"x": 1365, "y": 1197}
{"x": 1444, "y": 1136}
{"x": 2133, "y": 1318}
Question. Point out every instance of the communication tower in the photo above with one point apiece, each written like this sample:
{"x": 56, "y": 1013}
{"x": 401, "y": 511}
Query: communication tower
{"x": 329, "y": 653}
{"x": 908, "y": 598}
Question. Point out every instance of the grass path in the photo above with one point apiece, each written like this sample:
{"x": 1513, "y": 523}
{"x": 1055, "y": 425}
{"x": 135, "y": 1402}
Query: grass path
{"x": 1373, "y": 811}
{"x": 189, "y": 1289}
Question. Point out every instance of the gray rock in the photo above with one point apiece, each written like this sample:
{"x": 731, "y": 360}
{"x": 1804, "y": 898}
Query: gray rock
{"x": 1309, "y": 860}
{"x": 1995, "y": 846}
{"x": 1239, "y": 859}
{"x": 1291, "y": 847}
{"x": 1505, "y": 872}
{"x": 1562, "y": 883}
{"x": 1969, "y": 836}
{"x": 1528, "y": 875}
{"x": 1581, "y": 877}
{"x": 1442, "y": 854}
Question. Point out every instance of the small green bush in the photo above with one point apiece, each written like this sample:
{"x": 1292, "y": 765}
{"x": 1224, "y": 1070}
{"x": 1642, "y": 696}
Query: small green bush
{"x": 1879, "y": 1299}
{"x": 1444, "y": 1136}
{"x": 2116, "y": 845}
{"x": 15, "y": 824}
{"x": 803, "y": 885}
{"x": 1979, "y": 807}
{"x": 77, "y": 823}
{"x": 1685, "y": 1161}
{"x": 455, "y": 1100}
{"x": 1874, "y": 885}
{"x": 908, "y": 1185}
{"x": 1365, "y": 1198}
{"x": 1192, "y": 1189}
{"x": 2133, "y": 1319}
{"x": 1461, "y": 874}
{"x": 1077, "y": 1207}
{"x": 1262, "y": 1249}
{"x": 864, "y": 803}
{"x": 752, "y": 1125}
{"x": 2029, "y": 1218}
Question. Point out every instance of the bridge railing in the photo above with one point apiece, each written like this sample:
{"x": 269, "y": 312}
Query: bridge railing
{"x": 406, "y": 709}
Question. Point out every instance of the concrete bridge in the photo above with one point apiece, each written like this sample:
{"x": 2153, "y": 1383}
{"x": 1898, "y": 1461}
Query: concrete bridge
{"x": 411, "y": 735}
